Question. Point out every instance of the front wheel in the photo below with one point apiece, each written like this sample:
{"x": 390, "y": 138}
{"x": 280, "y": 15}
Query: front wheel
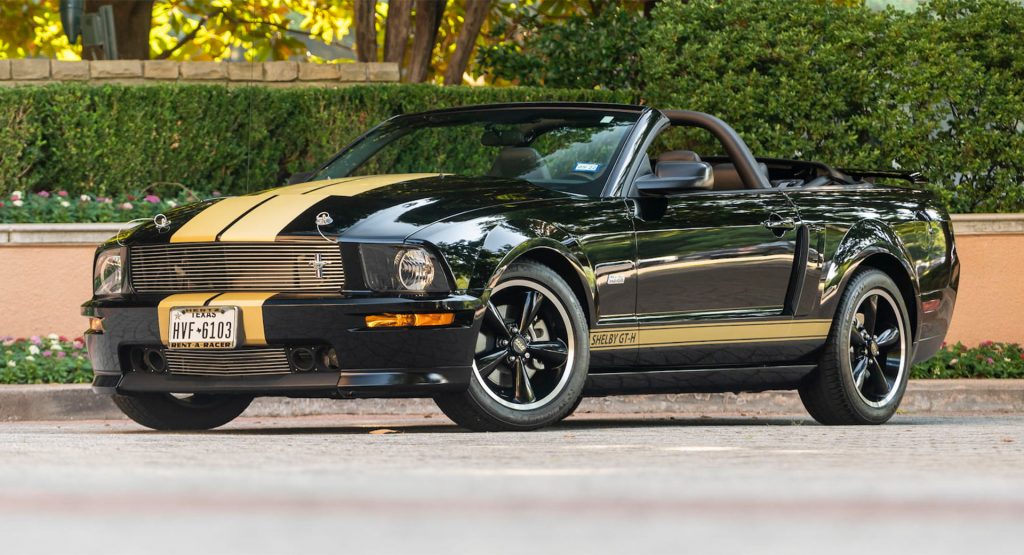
{"x": 531, "y": 355}
{"x": 866, "y": 362}
{"x": 167, "y": 412}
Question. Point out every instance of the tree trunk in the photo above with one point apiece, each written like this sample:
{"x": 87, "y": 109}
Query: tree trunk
{"x": 132, "y": 23}
{"x": 396, "y": 32}
{"x": 366, "y": 30}
{"x": 428, "y": 20}
{"x": 476, "y": 13}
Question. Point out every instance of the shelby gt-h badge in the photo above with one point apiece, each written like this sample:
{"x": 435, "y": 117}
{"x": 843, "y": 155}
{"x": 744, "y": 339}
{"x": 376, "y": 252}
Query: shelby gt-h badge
{"x": 509, "y": 260}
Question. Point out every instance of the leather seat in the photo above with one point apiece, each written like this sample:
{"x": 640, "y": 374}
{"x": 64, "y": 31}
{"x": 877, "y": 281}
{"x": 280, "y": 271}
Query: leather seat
{"x": 520, "y": 162}
{"x": 728, "y": 179}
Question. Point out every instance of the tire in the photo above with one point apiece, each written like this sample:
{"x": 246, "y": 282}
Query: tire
{"x": 165, "y": 412}
{"x": 503, "y": 395}
{"x": 864, "y": 367}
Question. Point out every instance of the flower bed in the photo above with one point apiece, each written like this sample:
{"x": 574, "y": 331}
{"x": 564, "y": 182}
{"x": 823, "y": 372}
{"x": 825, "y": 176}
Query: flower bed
{"x": 57, "y": 359}
{"x": 50, "y": 359}
{"x": 61, "y": 207}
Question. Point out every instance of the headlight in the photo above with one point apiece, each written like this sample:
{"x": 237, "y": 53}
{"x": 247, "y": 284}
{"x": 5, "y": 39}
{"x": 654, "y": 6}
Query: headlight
{"x": 107, "y": 273}
{"x": 400, "y": 269}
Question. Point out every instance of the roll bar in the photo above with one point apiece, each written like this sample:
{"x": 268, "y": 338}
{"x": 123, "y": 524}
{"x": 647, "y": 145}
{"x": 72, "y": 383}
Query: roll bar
{"x": 746, "y": 164}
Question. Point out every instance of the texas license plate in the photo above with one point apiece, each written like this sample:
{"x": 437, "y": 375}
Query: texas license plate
{"x": 203, "y": 327}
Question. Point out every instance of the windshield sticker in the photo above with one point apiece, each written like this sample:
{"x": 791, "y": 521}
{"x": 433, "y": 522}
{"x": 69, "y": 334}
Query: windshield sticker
{"x": 587, "y": 167}
{"x": 607, "y": 119}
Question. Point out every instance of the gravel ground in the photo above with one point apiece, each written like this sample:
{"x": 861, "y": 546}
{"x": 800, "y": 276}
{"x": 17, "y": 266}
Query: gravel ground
{"x": 607, "y": 484}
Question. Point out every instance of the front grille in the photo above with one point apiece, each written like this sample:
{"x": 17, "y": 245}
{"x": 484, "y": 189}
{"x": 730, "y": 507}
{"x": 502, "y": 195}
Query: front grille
{"x": 282, "y": 267}
{"x": 248, "y": 362}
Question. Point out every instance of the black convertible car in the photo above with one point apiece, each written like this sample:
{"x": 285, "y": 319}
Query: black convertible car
{"x": 509, "y": 260}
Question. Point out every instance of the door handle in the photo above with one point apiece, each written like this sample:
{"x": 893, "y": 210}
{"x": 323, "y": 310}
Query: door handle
{"x": 776, "y": 222}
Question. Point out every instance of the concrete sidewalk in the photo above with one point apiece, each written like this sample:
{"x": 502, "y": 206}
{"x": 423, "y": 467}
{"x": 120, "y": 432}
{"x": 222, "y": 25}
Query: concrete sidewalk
{"x": 77, "y": 402}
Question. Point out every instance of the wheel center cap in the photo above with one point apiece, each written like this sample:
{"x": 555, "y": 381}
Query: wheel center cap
{"x": 873, "y": 347}
{"x": 519, "y": 344}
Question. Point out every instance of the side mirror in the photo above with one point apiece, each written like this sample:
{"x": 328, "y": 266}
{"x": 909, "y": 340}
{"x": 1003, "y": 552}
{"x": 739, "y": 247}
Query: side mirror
{"x": 300, "y": 177}
{"x": 677, "y": 177}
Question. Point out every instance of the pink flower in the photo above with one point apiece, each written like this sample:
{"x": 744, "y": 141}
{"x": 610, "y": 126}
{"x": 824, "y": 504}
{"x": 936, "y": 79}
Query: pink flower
{"x": 16, "y": 195}
{"x": 44, "y": 194}
{"x": 8, "y": 341}
{"x": 35, "y": 340}
{"x": 78, "y": 344}
{"x": 216, "y": 193}
{"x": 105, "y": 200}
{"x": 987, "y": 343}
{"x": 47, "y": 354}
{"x": 126, "y": 206}
{"x": 63, "y": 338}
{"x": 61, "y": 354}
{"x": 989, "y": 360}
{"x": 2, "y": 204}
{"x": 62, "y": 193}
{"x": 152, "y": 199}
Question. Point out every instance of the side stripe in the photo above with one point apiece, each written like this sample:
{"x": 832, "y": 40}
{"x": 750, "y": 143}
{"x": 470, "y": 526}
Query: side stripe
{"x": 708, "y": 334}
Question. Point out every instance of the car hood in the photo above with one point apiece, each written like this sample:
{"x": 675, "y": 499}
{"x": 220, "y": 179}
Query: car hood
{"x": 379, "y": 207}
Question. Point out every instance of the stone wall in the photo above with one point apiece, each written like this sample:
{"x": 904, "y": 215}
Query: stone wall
{"x": 38, "y": 71}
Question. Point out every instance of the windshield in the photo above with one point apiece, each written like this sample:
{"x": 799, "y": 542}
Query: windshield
{"x": 569, "y": 150}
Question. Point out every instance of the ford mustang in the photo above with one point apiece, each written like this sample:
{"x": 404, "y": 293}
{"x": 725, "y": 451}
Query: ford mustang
{"x": 509, "y": 260}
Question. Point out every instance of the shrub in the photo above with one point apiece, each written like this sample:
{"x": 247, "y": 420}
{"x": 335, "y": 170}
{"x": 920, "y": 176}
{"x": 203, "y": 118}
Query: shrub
{"x": 937, "y": 90}
{"x": 988, "y": 360}
{"x": 115, "y": 141}
{"x": 62, "y": 207}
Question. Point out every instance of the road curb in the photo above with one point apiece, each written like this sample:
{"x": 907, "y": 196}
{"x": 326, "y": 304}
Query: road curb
{"x": 77, "y": 402}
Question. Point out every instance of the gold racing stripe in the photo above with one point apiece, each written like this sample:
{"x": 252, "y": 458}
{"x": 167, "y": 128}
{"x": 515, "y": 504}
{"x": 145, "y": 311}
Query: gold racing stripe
{"x": 708, "y": 334}
{"x": 206, "y": 225}
{"x": 265, "y": 222}
{"x": 251, "y": 306}
{"x": 163, "y": 309}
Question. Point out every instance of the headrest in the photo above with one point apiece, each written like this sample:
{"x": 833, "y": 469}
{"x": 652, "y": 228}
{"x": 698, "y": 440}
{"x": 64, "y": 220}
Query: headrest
{"x": 518, "y": 161}
{"x": 679, "y": 156}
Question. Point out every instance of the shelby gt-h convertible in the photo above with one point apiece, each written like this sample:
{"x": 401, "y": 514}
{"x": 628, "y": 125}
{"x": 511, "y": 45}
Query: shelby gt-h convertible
{"x": 509, "y": 260}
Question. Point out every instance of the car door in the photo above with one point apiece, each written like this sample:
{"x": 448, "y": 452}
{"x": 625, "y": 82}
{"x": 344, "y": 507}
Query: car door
{"x": 713, "y": 271}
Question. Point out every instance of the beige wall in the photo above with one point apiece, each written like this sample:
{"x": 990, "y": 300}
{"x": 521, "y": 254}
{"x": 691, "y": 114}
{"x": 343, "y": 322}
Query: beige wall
{"x": 43, "y": 286}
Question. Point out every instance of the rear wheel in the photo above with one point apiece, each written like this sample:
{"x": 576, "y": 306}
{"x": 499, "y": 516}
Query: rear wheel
{"x": 531, "y": 355}
{"x": 865, "y": 365}
{"x": 166, "y": 412}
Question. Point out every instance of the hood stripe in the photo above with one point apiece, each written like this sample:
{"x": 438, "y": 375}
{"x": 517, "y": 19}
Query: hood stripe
{"x": 206, "y": 225}
{"x": 163, "y": 309}
{"x": 265, "y": 223}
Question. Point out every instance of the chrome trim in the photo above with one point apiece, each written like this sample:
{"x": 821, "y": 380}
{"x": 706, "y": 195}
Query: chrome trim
{"x": 225, "y": 267}
{"x": 245, "y": 362}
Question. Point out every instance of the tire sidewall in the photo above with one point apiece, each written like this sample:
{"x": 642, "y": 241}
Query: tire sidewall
{"x": 565, "y": 399}
{"x": 862, "y": 284}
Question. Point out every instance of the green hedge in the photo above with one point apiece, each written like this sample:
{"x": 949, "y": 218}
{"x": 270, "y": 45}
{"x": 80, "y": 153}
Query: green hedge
{"x": 939, "y": 90}
{"x": 116, "y": 141}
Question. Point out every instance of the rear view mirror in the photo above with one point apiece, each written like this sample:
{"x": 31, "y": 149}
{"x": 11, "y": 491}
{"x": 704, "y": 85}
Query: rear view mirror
{"x": 677, "y": 177}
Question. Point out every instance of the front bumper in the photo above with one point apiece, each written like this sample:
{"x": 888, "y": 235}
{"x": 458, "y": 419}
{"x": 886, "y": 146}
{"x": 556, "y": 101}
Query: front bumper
{"x": 382, "y": 362}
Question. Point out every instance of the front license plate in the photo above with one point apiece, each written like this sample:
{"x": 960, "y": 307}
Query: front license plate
{"x": 203, "y": 327}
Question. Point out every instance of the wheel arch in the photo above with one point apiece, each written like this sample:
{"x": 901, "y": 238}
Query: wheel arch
{"x": 873, "y": 244}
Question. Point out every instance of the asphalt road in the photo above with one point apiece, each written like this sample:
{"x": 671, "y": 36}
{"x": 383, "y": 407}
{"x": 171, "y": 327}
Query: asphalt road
{"x": 610, "y": 485}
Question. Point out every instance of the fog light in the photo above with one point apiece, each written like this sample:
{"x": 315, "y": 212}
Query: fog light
{"x": 409, "y": 320}
{"x": 96, "y": 325}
